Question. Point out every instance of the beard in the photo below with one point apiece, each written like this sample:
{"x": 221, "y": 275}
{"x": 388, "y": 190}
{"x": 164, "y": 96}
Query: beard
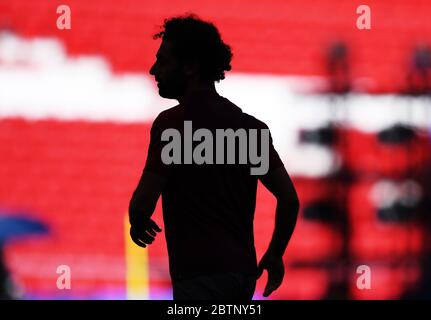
{"x": 172, "y": 88}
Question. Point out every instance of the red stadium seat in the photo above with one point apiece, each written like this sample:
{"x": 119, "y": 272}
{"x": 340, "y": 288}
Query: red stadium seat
{"x": 302, "y": 284}
{"x": 364, "y": 154}
{"x": 314, "y": 242}
{"x": 387, "y": 281}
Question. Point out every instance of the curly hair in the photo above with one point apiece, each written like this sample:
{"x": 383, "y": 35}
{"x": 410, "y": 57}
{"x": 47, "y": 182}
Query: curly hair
{"x": 198, "y": 40}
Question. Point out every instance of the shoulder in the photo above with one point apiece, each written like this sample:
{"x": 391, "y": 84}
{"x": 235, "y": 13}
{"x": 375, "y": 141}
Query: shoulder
{"x": 167, "y": 117}
{"x": 250, "y": 121}
{"x": 253, "y": 122}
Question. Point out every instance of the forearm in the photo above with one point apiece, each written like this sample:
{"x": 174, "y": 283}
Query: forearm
{"x": 139, "y": 208}
{"x": 144, "y": 198}
{"x": 285, "y": 221}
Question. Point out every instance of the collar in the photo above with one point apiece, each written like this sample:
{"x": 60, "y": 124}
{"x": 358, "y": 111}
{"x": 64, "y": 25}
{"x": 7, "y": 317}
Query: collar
{"x": 199, "y": 95}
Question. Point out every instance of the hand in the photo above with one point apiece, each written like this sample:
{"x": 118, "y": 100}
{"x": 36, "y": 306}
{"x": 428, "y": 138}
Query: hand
{"x": 275, "y": 268}
{"x": 144, "y": 233}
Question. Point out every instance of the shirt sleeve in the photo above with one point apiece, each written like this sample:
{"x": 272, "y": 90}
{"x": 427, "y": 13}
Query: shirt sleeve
{"x": 154, "y": 163}
{"x": 274, "y": 158}
{"x": 274, "y": 161}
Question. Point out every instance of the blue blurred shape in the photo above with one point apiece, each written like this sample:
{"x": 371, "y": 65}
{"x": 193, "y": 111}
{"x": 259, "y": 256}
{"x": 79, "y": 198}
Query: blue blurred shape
{"x": 13, "y": 227}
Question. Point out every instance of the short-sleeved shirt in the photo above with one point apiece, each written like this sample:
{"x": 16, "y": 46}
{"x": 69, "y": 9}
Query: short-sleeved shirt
{"x": 208, "y": 209}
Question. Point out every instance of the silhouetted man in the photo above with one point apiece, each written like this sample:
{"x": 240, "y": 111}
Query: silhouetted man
{"x": 208, "y": 208}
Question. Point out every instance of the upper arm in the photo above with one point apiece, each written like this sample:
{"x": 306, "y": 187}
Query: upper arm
{"x": 146, "y": 195}
{"x": 153, "y": 178}
{"x": 278, "y": 182}
{"x": 155, "y": 171}
{"x": 154, "y": 163}
{"x": 150, "y": 186}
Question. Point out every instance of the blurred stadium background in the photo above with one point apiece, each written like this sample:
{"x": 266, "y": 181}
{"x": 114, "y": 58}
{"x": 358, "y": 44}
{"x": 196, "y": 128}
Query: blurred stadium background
{"x": 349, "y": 111}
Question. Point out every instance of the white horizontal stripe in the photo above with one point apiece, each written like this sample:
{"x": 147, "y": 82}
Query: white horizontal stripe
{"x": 38, "y": 80}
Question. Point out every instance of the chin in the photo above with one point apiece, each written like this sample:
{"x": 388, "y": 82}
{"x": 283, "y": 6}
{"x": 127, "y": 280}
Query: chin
{"x": 168, "y": 94}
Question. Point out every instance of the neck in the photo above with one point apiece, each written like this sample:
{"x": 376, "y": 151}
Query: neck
{"x": 196, "y": 87}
